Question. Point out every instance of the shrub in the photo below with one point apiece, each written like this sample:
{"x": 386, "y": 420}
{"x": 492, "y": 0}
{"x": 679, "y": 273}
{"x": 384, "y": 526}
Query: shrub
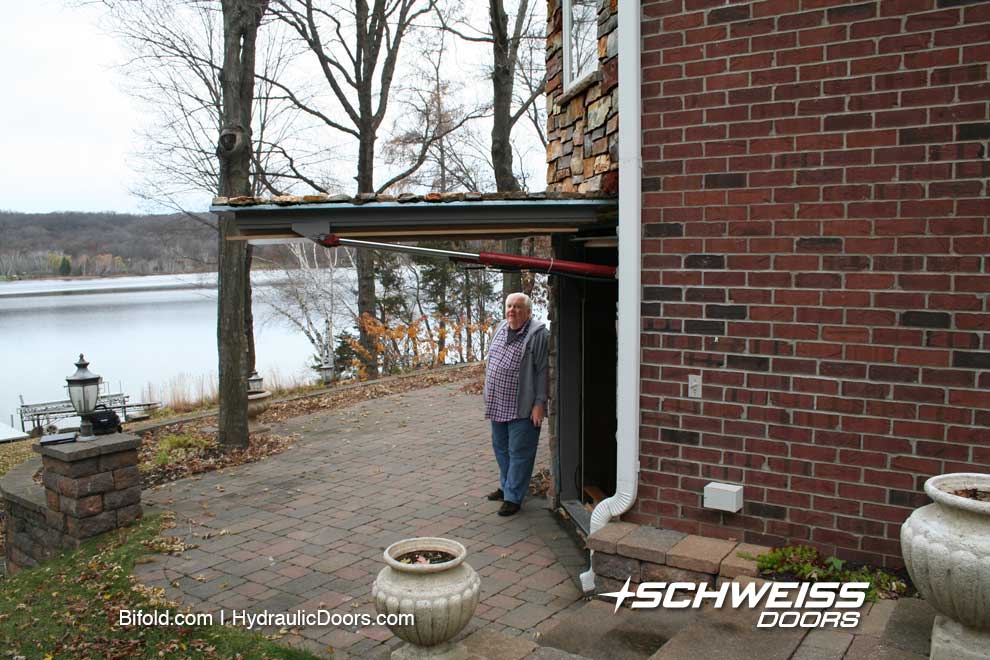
{"x": 806, "y": 563}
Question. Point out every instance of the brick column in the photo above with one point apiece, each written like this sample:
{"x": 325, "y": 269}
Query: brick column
{"x": 92, "y": 487}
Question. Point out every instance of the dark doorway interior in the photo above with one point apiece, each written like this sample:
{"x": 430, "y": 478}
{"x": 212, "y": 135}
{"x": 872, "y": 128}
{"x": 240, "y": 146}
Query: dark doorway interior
{"x": 584, "y": 329}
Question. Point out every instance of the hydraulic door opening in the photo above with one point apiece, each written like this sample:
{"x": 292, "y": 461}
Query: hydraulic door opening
{"x": 585, "y": 332}
{"x": 584, "y": 382}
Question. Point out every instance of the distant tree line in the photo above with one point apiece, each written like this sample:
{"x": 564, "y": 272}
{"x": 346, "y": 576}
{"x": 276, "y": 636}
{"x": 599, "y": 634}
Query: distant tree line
{"x": 99, "y": 244}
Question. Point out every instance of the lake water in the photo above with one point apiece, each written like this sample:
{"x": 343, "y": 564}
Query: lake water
{"x": 135, "y": 331}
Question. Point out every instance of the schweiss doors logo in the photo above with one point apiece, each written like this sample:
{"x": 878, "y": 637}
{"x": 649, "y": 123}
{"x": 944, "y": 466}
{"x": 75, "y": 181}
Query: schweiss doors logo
{"x": 785, "y": 604}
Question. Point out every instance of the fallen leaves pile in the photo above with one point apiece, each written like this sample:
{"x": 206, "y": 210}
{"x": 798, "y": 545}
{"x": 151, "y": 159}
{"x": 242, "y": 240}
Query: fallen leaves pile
{"x": 540, "y": 483}
{"x": 207, "y": 458}
{"x": 476, "y": 386}
{"x": 168, "y": 545}
{"x": 14, "y": 453}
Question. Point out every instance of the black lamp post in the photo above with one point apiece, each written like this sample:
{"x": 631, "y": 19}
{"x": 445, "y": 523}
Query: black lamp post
{"x": 84, "y": 391}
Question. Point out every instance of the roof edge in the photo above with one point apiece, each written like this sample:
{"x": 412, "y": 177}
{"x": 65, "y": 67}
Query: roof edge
{"x": 221, "y": 204}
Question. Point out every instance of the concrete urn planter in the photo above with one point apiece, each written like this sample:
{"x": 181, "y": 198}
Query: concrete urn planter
{"x": 442, "y": 598}
{"x": 946, "y": 547}
{"x": 258, "y": 402}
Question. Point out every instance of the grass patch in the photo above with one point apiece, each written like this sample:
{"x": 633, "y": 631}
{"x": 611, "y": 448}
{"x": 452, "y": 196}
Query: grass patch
{"x": 14, "y": 453}
{"x": 805, "y": 563}
{"x": 178, "y": 447}
{"x": 69, "y": 608}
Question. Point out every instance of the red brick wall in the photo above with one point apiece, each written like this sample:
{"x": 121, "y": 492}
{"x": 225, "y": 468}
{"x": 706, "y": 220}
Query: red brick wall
{"x": 815, "y": 241}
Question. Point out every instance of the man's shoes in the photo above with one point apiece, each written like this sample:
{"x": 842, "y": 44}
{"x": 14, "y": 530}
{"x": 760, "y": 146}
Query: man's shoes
{"x": 496, "y": 495}
{"x": 508, "y": 508}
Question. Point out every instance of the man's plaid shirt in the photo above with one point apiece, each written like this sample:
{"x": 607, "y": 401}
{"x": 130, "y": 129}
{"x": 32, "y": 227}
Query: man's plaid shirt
{"x": 502, "y": 373}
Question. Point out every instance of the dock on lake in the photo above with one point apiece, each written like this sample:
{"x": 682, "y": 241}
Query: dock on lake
{"x": 10, "y": 434}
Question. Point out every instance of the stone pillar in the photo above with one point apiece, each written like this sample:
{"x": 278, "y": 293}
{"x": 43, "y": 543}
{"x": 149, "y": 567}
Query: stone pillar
{"x": 91, "y": 487}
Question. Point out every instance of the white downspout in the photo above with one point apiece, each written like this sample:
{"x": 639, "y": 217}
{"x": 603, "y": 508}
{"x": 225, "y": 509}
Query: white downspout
{"x": 630, "y": 211}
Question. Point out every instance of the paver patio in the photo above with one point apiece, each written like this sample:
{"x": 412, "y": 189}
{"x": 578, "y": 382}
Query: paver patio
{"x": 306, "y": 529}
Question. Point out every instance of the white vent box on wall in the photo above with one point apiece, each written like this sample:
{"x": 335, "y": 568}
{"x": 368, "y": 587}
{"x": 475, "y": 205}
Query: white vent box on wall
{"x": 724, "y": 497}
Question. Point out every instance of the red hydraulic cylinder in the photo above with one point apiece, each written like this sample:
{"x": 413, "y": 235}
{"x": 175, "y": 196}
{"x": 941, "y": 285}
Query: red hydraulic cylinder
{"x": 485, "y": 258}
{"x": 547, "y": 265}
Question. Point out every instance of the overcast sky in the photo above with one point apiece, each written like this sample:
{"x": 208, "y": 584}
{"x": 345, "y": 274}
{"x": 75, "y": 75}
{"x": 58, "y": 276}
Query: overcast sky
{"x": 68, "y": 127}
{"x": 66, "y": 123}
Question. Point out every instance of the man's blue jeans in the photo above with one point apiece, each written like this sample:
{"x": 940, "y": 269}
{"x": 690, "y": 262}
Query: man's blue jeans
{"x": 515, "y": 445}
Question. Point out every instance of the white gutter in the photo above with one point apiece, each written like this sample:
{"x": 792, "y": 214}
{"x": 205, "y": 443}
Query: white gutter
{"x": 630, "y": 259}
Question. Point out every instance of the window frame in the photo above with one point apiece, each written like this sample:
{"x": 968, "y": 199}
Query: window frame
{"x": 571, "y": 84}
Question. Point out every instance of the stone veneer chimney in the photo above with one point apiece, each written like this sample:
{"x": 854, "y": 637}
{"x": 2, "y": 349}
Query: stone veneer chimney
{"x": 583, "y": 120}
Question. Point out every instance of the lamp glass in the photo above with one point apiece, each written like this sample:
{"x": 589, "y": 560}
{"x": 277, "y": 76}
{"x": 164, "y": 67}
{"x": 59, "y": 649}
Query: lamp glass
{"x": 84, "y": 388}
{"x": 91, "y": 393}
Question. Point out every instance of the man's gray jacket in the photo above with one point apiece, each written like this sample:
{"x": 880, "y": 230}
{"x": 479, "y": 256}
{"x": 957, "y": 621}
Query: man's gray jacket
{"x": 532, "y": 369}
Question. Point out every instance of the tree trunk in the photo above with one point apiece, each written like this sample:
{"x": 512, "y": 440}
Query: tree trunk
{"x": 442, "y": 339}
{"x": 250, "y": 355}
{"x": 502, "y": 82}
{"x": 467, "y": 312}
{"x": 365, "y": 262}
{"x": 240, "y": 27}
{"x": 482, "y": 317}
{"x": 231, "y": 340}
{"x": 528, "y": 246}
{"x": 511, "y": 281}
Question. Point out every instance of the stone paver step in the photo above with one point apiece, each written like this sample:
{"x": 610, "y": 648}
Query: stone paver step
{"x": 596, "y": 630}
{"x": 730, "y": 634}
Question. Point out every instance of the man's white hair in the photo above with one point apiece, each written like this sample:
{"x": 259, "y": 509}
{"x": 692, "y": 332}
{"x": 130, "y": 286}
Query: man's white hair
{"x": 520, "y": 294}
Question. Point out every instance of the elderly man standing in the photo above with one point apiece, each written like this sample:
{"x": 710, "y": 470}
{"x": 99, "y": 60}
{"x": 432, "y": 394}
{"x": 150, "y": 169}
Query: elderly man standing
{"x": 516, "y": 397}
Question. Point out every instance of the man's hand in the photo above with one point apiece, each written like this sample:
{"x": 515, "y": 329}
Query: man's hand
{"x": 538, "y": 414}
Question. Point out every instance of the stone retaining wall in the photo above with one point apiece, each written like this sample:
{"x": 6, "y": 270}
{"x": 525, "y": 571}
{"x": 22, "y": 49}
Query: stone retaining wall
{"x": 29, "y": 539}
{"x": 88, "y": 488}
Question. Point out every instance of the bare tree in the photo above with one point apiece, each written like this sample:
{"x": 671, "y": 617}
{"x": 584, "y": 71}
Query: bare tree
{"x": 356, "y": 46}
{"x": 432, "y": 116}
{"x": 241, "y": 19}
{"x": 313, "y": 294}
{"x": 176, "y": 48}
{"x": 516, "y": 89}
{"x": 508, "y": 42}
{"x": 175, "y": 71}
